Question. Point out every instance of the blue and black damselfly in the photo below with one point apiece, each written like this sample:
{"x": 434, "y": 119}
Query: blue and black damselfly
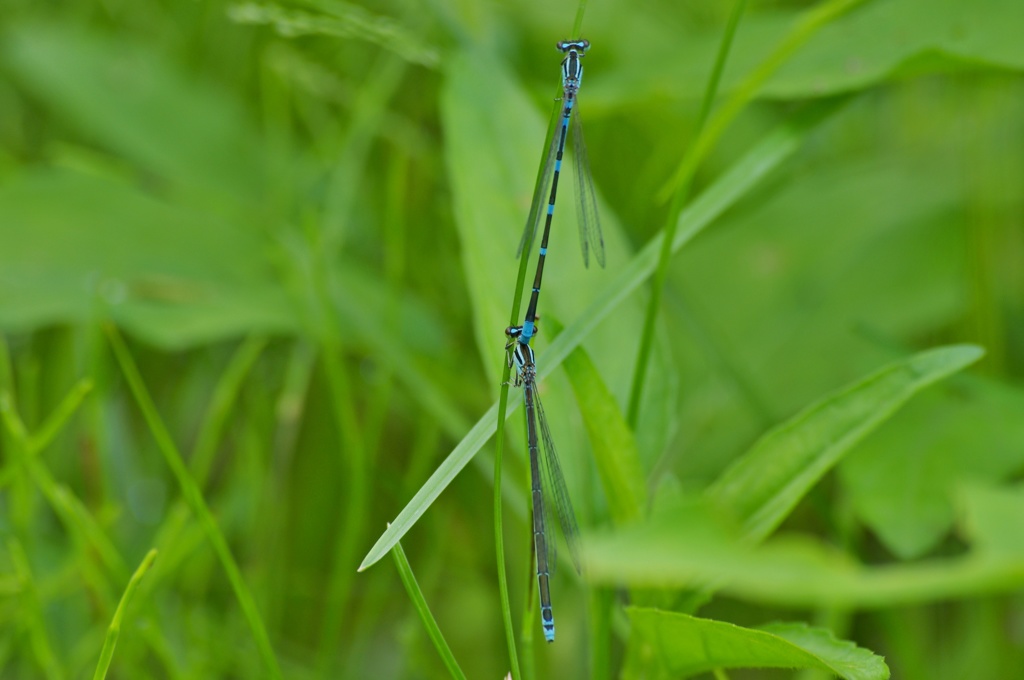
{"x": 545, "y": 473}
{"x": 586, "y": 204}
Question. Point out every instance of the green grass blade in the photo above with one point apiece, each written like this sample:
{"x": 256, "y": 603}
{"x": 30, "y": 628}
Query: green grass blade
{"x": 682, "y": 194}
{"x": 78, "y": 521}
{"x": 6, "y": 370}
{"x": 577, "y": 24}
{"x": 802, "y": 31}
{"x": 39, "y": 638}
{"x": 747, "y": 173}
{"x": 60, "y": 416}
{"x": 357, "y": 461}
{"x": 423, "y": 609}
{"x": 615, "y": 451}
{"x": 499, "y": 532}
{"x": 225, "y": 395}
{"x": 765, "y": 484}
{"x": 194, "y": 497}
{"x": 463, "y": 452}
{"x": 114, "y": 631}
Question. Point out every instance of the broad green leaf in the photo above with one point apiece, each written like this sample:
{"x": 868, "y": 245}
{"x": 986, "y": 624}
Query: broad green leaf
{"x": 491, "y": 199}
{"x": 152, "y": 114}
{"x": 875, "y": 43}
{"x": 871, "y": 45}
{"x": 686, "y": 645}
{"x": 76, "y": 247}
{"x": 765, "y": 484}
{"x": 772, "y": 272}
{"x": 744, "y": 175}
{"x": 902, "y": 479}
{"x": 693, "y": 543}
{"x": 992, "y": 517}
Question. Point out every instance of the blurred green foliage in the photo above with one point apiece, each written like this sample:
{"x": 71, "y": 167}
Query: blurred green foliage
{"x": 303, "y": 219}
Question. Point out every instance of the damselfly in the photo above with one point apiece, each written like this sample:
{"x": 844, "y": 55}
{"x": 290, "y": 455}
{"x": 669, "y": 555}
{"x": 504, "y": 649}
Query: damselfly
{"x": 545, "y": 473}
{"x": 586, "y": 204}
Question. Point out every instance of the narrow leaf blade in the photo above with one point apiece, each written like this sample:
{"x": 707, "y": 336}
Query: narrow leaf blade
{"x": 764, "y": 485}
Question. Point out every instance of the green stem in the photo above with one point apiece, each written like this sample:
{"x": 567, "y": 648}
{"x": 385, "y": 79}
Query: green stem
{"x": 577, "y": 24}
{"x": 499, "y": 540}
{"x": 672, "y": 220}
{"x": 194, "y": 497}
{"x": 225, "y": 396}
{"x": 602, "y": 602}
{"x": 708, "y": 136}
{"x": 530, "y": 617}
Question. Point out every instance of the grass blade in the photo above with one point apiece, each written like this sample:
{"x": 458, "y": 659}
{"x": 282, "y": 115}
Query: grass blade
{"x": 682, "y": 194}
{"x": 39, "y": 638}
{"x": 765, "y": 484}
{"x": 60, "y": 416}
{"x": 114, "y": 631}
{"x": 79, "y": 522}
{"x": 423, "y": 609}
{"x": 194, "y": 497}
{"x": 615, "y": 451}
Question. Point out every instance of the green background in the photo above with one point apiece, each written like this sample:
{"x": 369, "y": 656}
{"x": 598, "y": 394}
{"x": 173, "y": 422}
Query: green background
{"x": 303, "y": 220}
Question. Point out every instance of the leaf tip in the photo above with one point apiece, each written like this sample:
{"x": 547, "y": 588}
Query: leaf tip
{"x": 954, "y": 357}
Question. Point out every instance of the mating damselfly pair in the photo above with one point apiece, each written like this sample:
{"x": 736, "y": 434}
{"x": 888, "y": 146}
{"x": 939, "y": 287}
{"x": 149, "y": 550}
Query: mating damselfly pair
{"x": 548, "y": 486}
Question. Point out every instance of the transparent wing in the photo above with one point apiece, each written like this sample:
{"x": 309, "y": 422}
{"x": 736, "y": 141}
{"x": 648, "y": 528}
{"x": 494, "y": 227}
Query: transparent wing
{"x": 540, "y": 195}
{"x": 586, "y": 200}
{"x": 542, "y": 516}
{"x": 543, "y": 541}
{"x": 558, "y": 493}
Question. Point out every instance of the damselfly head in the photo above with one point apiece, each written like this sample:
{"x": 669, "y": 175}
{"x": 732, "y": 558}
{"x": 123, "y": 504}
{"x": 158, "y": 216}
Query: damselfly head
{"x": 579, "y": 46}
{"x": 516, "y": 332}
